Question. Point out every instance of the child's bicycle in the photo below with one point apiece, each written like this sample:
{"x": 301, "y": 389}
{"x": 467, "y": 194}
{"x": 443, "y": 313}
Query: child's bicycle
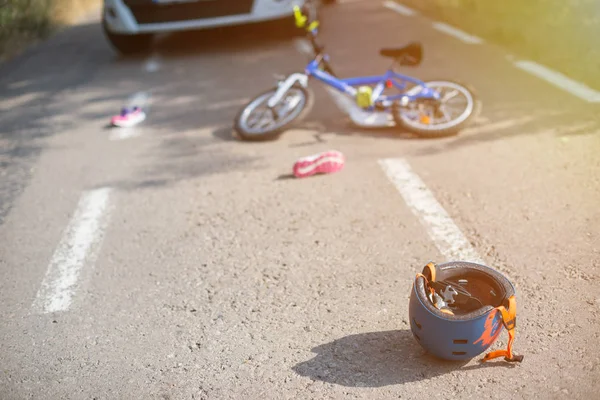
{"x": 428, "y": 109}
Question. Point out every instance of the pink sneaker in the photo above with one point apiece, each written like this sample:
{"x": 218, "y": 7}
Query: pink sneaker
{"x": 128, "y": 117}
{"x": 322, "y": 163}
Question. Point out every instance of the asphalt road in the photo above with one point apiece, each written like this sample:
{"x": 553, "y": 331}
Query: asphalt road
{"x": 212, "y": 275}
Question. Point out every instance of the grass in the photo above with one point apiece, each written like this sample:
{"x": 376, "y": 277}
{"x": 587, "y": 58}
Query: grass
{"x": 558, "y": 33}
{"x": 23, "y": 22}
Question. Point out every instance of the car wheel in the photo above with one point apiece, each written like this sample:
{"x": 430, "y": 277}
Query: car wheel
{"x": 128, "y": 44}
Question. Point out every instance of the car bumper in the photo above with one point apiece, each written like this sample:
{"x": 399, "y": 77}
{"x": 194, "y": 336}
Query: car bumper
{"x": 144, "y": 16}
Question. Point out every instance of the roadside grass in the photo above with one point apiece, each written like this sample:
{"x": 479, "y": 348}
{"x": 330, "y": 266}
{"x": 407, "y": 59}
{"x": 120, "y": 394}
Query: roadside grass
{"x": 24, "y": 22}
{"x": 561, "y": 34}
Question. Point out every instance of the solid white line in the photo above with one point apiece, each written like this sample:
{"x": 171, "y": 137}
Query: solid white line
{"x": 399, "y": 8}
{"x": 447, "y": 237}
{"x": 80, "y": 242}
{"x": 457, "y": 33}
{"x": 559, "y": 80}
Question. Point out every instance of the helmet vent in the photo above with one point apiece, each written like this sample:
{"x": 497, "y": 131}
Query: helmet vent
{"x": 461, "y": 341}
{"x": 459, "y": 353}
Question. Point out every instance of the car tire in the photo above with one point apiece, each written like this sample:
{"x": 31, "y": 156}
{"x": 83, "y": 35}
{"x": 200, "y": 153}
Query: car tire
{"x": 128, "y": 44}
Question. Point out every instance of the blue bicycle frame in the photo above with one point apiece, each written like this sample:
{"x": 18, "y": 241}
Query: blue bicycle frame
{"x": 389, "y": 79}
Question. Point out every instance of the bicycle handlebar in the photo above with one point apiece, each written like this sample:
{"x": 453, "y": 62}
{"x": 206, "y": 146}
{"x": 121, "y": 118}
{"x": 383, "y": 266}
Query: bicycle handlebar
{"x": 311, "y": 29}
{"x": 311, "y": 32}
{"x": 318, "y": 48}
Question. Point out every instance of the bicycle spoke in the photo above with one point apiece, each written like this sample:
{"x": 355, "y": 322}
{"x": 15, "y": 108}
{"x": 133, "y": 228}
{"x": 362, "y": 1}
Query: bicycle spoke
{"x": 449, "y": 95}
{"x": 447, "y": 117}
{"x": 260, "y": 118}
{"x": 454, "y": 105}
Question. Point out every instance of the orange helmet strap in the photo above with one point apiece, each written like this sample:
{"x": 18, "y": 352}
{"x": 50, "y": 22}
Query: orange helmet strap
{"x": 509, "y": 320}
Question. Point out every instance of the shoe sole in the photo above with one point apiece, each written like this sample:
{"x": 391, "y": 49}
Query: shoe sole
{"x": 130, "y": 122}
{"x": 324, "y": 163}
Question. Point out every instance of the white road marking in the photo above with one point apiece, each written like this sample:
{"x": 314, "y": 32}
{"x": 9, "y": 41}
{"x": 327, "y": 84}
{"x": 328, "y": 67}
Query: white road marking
{"x": 152, "y": 64}
{"x": 124, "y": 133}
{"x": 80, "y": 242}
{"x": 303, "y": 46}
{"x": 447, "y": 237}
{"x": 399, "y": 8}
{"x": 457, "y": 33}
{"x": 559, "y": 80}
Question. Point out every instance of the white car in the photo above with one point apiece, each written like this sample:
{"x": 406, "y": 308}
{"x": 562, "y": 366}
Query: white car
{"x": 130, "y": 25}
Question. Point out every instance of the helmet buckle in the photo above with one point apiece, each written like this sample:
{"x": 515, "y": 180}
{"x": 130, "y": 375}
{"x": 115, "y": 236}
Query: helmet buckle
{"x": 437, "y": 300}
{"x": 448, "y": 293}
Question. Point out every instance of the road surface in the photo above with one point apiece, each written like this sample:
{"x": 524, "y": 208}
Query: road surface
{"x": 172, "y": 261}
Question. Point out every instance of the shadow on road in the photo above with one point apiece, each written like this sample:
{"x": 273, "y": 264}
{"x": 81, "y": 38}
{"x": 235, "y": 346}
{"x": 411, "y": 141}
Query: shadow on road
{"x": 30, "y": 106}
{"x": 41, "y": 96}
{"x": 377, "y": 359}
{"x": 509, "y": 121}
{"x": 208, "y": 76}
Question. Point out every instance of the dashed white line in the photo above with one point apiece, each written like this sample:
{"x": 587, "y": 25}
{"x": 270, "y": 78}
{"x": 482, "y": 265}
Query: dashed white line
{"x": 457, "y": 33}
{"x": 152, "y": 64}
{"x": 124, "y": 133}
{"x": 399, "y": 8}
{"x": 447, "y": 237}
{"x": 80, "y": 243}
{"x": 303, "y": 46}
{"x": 559, "y": 80}
{"x": 555, "y": 78}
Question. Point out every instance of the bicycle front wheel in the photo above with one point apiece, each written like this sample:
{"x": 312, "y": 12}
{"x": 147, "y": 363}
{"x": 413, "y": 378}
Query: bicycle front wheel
{"x": 256, "y": 121}
{"x": 457, "y": 107}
